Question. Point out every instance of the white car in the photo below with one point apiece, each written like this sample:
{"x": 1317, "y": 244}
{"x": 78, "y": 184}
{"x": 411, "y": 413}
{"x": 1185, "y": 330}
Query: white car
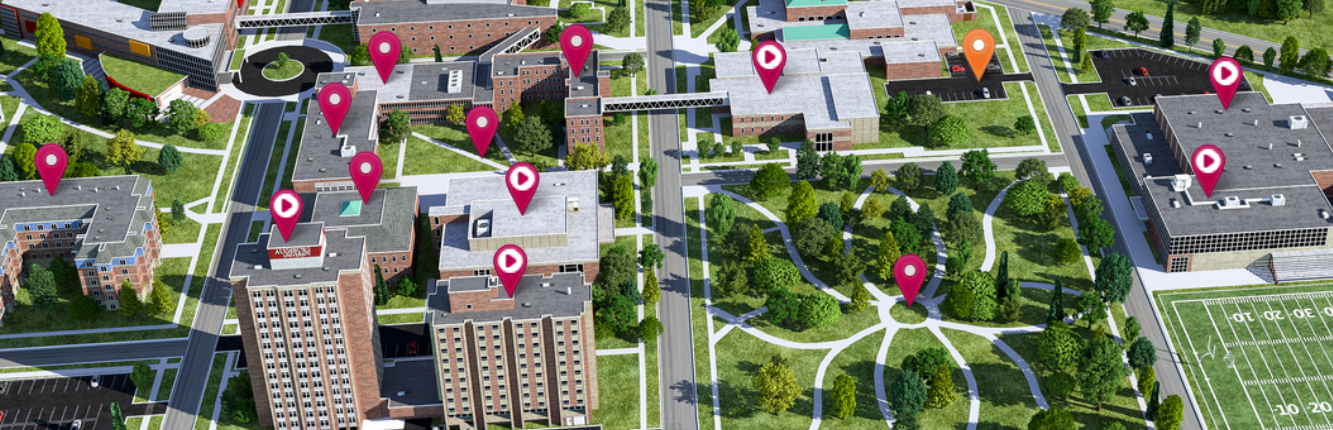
{"x": 985, "y": 92}
{"x": 97, "y": 380}
{"x": 76, "y": 425}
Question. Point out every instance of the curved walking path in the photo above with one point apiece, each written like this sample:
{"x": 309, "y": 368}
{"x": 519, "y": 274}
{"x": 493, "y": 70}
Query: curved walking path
{"x": 988, "y": 226}
{"x": 883, "y": 302}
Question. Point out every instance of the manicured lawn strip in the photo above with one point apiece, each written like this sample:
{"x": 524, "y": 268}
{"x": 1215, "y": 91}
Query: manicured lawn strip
{"x": 1030, "y": 250}
{"x": 990, "y": 122}
{"x": 9, "y": 105}
{"x": 1152, "y": 246}
{"x": 1123, "y": 407}
{"x": 211, "y": 391}
{"x": 677, "y": 24}
{"x": 739, "y": 357}
{"x": 1079, "y": 112}
{"x": 133, "y": 422}
{"x": 424, "y": 158}
{"x": 1101, "y": 102}
{"x": 339, "y": 35}
{"x": 256, "y": 228}
{"x": 913, "y": 315}
{"x": 1061, "y": 73}
{"x": 909, "y": 342}
{"x": 619, "y": 136}
{"x": 457, "y": 137}
{"x": 233, "y": 162}
{"x": 201, "y": 272}
{"x": 653, "y": 379}
{"x": 401, "y": 318}
{"x": 155, "y": 422}
{"x": 399, "y": 301}
{"x": 1008, "y": 27}
{"x": 146, "y": 79}
{"x": 620, "y": 80}
{"x": 275, "y": 163}
{"x": 1119, "y": 172}
{"x": 1043, "y": 120}
{"x": 731, "y": 22}
{"x": 77, "y": 366}
{"x": 150, "y": 5}
{"x": 645, "y": 142}
{"x": 168, "y": 383}
{"x": 184, "y": 230}
{"x": 1006, "y": 401}
{"x": 698, "y": 314}
{"x": 618, "y": 378}
{"x": 857, "y": 361}
{"x": 1311, "y": 31}
{"x": 15, "y": 55}
{"x": 291, "y": 163}
{"x": 638, "y": 18}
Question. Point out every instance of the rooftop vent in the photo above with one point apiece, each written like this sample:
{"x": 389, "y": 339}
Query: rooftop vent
{"x": 1323, "y": 214}
{"x": 1218, "y": 111}
{"x": 1230, "y": 134}
{"x": 483, "y": 228}
{"x": 1298, "y": 122}
{"x": 1181, "y": 182}
{"x": 1279, "y": 200}
{"x": 1199, "y": 126}
{"x": 527, "y": 304}
{"x": 1246, "y": 110}
{"x": 546, "y": 285}
{"x": 377, "y": 14}
{"x": 1230, "y": 202}
{"x": 347, "y": 151}
{"x": 1175, "y": 203}
{"x": 1147, "y": 158}
{"x": 572, "y": 205}
{"x": 1255, "y": 123}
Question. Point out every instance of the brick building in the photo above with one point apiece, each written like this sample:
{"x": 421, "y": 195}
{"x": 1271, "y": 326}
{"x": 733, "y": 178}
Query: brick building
{"x": 106, "y": 227}
{"x": 386, "y": 221}
{"x": 828, "y": 101}
{"x": 323, "y": 158}
{"x": 456, "y": 27}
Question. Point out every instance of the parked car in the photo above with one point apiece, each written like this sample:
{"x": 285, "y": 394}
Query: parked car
{"x": 1101, "y": 53}
{"x": 1143, "y": 71}
{"x": 985, "y": 93}
{"x": 76, "y": 425}
{"x": 1124, "y": 100}
{"x": 97, "y": 381}
{"x": 412, "y": 348}
{"x": 1132, "y": 81}
{"x": 957, "y": 69}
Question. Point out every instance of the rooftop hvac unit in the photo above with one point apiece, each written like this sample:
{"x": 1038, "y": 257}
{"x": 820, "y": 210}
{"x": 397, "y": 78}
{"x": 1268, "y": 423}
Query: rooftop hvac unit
{"x": 1279, "y": 200}
{"x": 1181, "y": 183}
{"x": 1230, "y": 202}
{"x": 1298, "y": 122}
{"x": 347, "y": 151}
{"x": 1323, "y": 214}
{"x": 1147, "y": 158}
{"x": 455, "y": 81}
{"x": 572, "y": 205}
{"x": 483, "y": 227}
{"x": 1175, "y": 203}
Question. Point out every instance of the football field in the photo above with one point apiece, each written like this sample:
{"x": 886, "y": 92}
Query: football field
{"x": 1257, "y": 358}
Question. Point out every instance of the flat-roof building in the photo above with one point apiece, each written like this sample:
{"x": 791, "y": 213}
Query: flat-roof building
{"x": 456, "y": 27}
{"x": 1272, "y": 199}
{"x": 829, "y": 101}
{"x": 106, "y": 227}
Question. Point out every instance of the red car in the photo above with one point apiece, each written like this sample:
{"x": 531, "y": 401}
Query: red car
{"x": 956, "y": 69}
{"x": 1142, "y": 71}
{"x": 412, "y": 348}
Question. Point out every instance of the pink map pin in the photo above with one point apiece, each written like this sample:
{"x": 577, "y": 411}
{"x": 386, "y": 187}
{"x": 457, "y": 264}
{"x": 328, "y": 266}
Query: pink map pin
{"x": 1208, "y": 163}
{"x": 1226, "y": 75}
{"x": 334, "y": 101}
{"x": 481, "y": 126}
{"x": 522, "y": 179}
{"x": 366, "y": 171}
{"x": 576, "y": 44}
{"x": 384, "y": 48}
{"x": 769, "y": 59}
{"x": 285, "y": 209}
{"x": 510, "y": 262}
{"x": 909, "y": 272}
{"x": 51, "y": 161}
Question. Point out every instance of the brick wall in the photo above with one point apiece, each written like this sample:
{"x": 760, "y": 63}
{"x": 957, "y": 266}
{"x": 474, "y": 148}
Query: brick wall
{"x": 816, "y": 13}
{"x": 876, "y": 33}
{"x": 253, "y": 357}
{"x": 585, "y": 130}
{"x": 544, "y": 82}
{"x": 590, "y": 271}
{"x": 456, "y": 36}
{"x": 356, "y": 306}
{"x": 492, "y": 299}
{"x": 924, "y": 69}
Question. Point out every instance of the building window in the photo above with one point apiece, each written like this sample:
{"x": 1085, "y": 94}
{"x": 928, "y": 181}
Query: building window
{"x": 1180, "y": 264}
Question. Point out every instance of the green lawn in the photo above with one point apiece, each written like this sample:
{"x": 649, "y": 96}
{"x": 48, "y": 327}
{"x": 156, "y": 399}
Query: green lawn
{"x": 618, "y": 136}
{"x": 698, "y": 314}
{"x": 1031, "y": 250}
{"x": 986, "y": 20}
{"x": 143, "y": 78}
{"x": 339, "y": 35}
{"x": 181, "y": 231}
{"x": 739, "y": 357}
{"x": 1119, "y": 171}
{"x": 292, "y": 69}
{"x": 168, "y": 383}
{"x": 1123, "y": 407}
{"x": 989, "y": 122}
{"x": 211, "y": 391}
{"x": 9, "y": 105}
{"x": 618, "y": 381}
{"x": 458, "y": 138}
{"x": 1043, "y": 119}
{"x": 400, "y": 318}
{"x": 15, "y": 55}
{"x": 237, "y": 58}
{"x": 857, "y": 361}
{"x": 1310, "y": 31}
{"x": 425, "y": 158}
{"x": 238, "y": 145}
{"x": 399, "y": 301}
{"x": 909, "y": 342}
{"x": 151, "y": 5}
{"x": 677, "y": 22}
{"x": 638, "y": 18}
{"x": 1006, "y": 401}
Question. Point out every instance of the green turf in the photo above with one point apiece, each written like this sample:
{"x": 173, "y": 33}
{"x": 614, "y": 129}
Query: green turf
{"x": 274, "y": 72}
{"x": 168, "y": 383}
{"x": 1122, "y": 407}
{"x": 424, "y": 158}
{"x": 143, "y": 78}
{"x": 181, "y": 231}
{"x": 339, "y": 35}
{"x": 1311, "y": 31}
{"x": 698, "y": 314}
{"x": 618, "y": 383}
{"x": 1030, "y": 248}
{"x": 739, "y": 357}
{"x": 909, "y": 342}
{"x": 857, "y": 361}
{"x": 265, "y": 195}
{"x": 1006, "y": 401}
{"x": 211, "y": 391}
{"x": 241, "y": 140}
{"x": 990, "y": 122}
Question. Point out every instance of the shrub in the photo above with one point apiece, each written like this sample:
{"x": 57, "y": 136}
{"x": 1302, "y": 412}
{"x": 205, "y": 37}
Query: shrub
{"x": 211, "y": 131}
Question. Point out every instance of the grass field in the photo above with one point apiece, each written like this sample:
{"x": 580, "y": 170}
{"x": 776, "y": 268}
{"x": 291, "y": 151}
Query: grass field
{"x": 147, "y": 79}
{"x": 1276, "y": 340}
{"x": 618, "y": 381}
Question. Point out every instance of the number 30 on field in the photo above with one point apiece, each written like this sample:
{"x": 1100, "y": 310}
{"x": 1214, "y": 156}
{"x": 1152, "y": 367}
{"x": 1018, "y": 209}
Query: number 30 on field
{"x": 1302, "y": 313}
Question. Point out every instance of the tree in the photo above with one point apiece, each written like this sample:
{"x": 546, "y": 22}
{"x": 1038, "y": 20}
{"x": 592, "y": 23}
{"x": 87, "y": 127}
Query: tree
{"x": 650, "y": 328}
{"x": 1079, "y": 54}
{"x": 83, "y": 308}
{"x": 1192, "y": 32}
{"x": 1269, "y": 55}
{"x": 513, "y": 116}
{"x": 405, "y": 56}
{"x": 1136, "y": 23}
{"x": 941, "y": 392}
{"x": 130, "y": 305}
{"x": 860, "y": 298}
{"x": 872, "y": 209}
{"x": 907, "y": 394}
{"x": 114, "y": 105}
{"x": 807, "y": 162}
{"x": 1027, "y": 199}
{"x": 819, "y": 310}
{"x": 1058, "y": 346}
{"x": 801, "y": 203}
{"x": 532, "y": 136}
{"x": 617, "y": 312}
{"x": 141, "y": 113}
{"x": 776, "y": 387}
{"x": 117, "y": 418}
{"x": 1074, "y": 19}
{"x": 67, "y": 75}
{"x": 647, "y": 172}
{"x": 1244, "y": 54}
{"x": 180, "y": 116}
{"x": 1025, "y": 124}
{"x": 728, "y": 41}
{"x": 617, "y": 268}
{"x": 721, "y": 215}
{"x": 169, "y": 158}
{"x": 651, "y": 256}
{"x": 844, "y": 396}
{"x": 211, "y": 132}
{"x": 908, "y": 177}
{"x": 977, "y": 166}
{"x": 849, "y": 268}
{"x": 1100, "y": 370}
{"x": 122, "y": 150}
{"x": 9, "y": 171}
{"x": 832, "y": 214}
{"x": 1060, "y": 385}
{"x": 160, "y": 301}
{"x": 1114, "y": 278}
{"x": 774, "y": 273}
{"x": 811, "y": 235}
{"x": 1219, "y": 47}
{"x": 381, "y": 290}
{"x": 1316, "y": 62}
{"x": 963, "y": 226}
{"x": 238, "y": 400}
{"x": 896, "y": 110}
{"x": 1147, "y": 376}
{"x": 1141, "y": 353}
{"x": 143, "y": 376}
{"x": 1002, "y": 280}
{"x": 43, "y": 129}
{"x": 618, "y": 19}
{"x": 552, "y": 34}
{"x": 455, "y": 114}
{"x": 1288, "y": 9}
{"x": 769, "y": 181}
{"x": 1313, "y": 6}
{"x": 407, "y": 287}
{"x": 729, "y": 282}
{"x": 1052, "y": 419}
{"x": 888, "y": 255}
{"x": 360, "y": 56}
{"x": 946, "y": 179}
{"x": 1171, "y": 413}
{"x": 1066, "y": 251}
{"x": 948, "y": 131}
{"x": 50, "y": 36}
{"x": 1096, "y": 234}
{"x": 841, "y": 172}
{"x": 1102, "y": 11}
{"x": 1151, "y": 411}
{"x": 1168, "y": 32}
{"x": 1091, "y": 307}
{"x": 981, "y": 288}
{"x": 757, "y": 248}
{"x": 586, "y": 157}
{"x": 439, "y": 58}
{"x": 398, "y": 126}
{"x": 925, "y": 110}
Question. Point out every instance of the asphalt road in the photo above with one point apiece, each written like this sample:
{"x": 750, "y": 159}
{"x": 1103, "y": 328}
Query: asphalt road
{"x": 1066, "y": 128}
{"x": 203, "y": 340}
{"x": 1205, "y": 44}
{"x": 675, "y": 355}
{"x": 65, "y": 354}
{"x": 723, "y": 177}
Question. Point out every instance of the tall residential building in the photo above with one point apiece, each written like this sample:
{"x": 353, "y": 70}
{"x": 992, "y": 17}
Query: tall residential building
{"x": 106, "y": 227}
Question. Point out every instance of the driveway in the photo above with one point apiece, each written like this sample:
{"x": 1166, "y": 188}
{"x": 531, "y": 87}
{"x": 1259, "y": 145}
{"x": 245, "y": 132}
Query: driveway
{"x": 961, "y": 85}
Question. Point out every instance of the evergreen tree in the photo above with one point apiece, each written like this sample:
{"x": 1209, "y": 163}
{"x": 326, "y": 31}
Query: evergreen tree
{"x": 169, "y": 158}
{"x": 908, "y": 177}
{"x": 8, "y": 171}
{"x": 122, "y": 150}
{"x": 159, "y": 299}
{"x": 143, "y": 376}
{"x": 117, "y": 417}
{"x": 67, "y": 76}
{"x": 801, "y": 203}
{"x": 130, "y": 305}
{"x": 1002, "y": 277}
{"x": 1153, "y": 402}
{"x": 907, "y": 394}
{"x": 83, "y": 309}
{"x": 1114, "y": 278}
{"x": 757, "y": 248}
{"x": 1147, "y": 377}
{"x": 888, "y": 255}
{"x": 941, "y": 392}
{"x": 623, "y": 196}
{"x": 381, "y": 289}
{"x": 1168, "y": 31}
{"x": 880, "y": 181}
{"x": 721, "y": 214}
{"x": 1142, "y": 353}
{"x": 807, "y": 162}
{"x": 1170, "y": 415}
{"x": 647, "y": 172}
{"x": 1052, "y": 419}
{"x": 50, "y": 36}
{"x": 1058, "y": 347}
{"x": 860, "y": 298}
{"x": 1192, "y": 32}
{"x": 776, "y": 386}
{"x": 1056, "y": 311}
{"x": 1100, "y": 370}
{"x": 844, "y": 396}
{"x": 946, "y": 179}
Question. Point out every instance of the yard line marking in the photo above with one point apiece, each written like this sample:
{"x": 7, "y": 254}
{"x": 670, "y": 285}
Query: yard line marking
{"x": 1282, "y": 364}
{"x": 1307, "y": 355}
{"x": 1249, "y": 365}
{"x": 1207, "y": 380}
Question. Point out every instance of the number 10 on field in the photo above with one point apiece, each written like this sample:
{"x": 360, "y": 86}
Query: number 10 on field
{"x": 1298, "y": 313}
{"x": 1292, "y": 409}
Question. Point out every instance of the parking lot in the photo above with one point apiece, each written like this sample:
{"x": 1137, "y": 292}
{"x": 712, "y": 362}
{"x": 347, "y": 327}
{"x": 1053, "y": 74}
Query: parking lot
{"x": 55, "y": 403}
{"x": 961, "y": 85}
{"x": 1167, "y": 75}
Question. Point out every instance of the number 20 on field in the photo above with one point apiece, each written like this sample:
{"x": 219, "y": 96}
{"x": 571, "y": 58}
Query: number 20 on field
{"x": 1241, "y": 317}
{"x": 1292, "y": 409}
